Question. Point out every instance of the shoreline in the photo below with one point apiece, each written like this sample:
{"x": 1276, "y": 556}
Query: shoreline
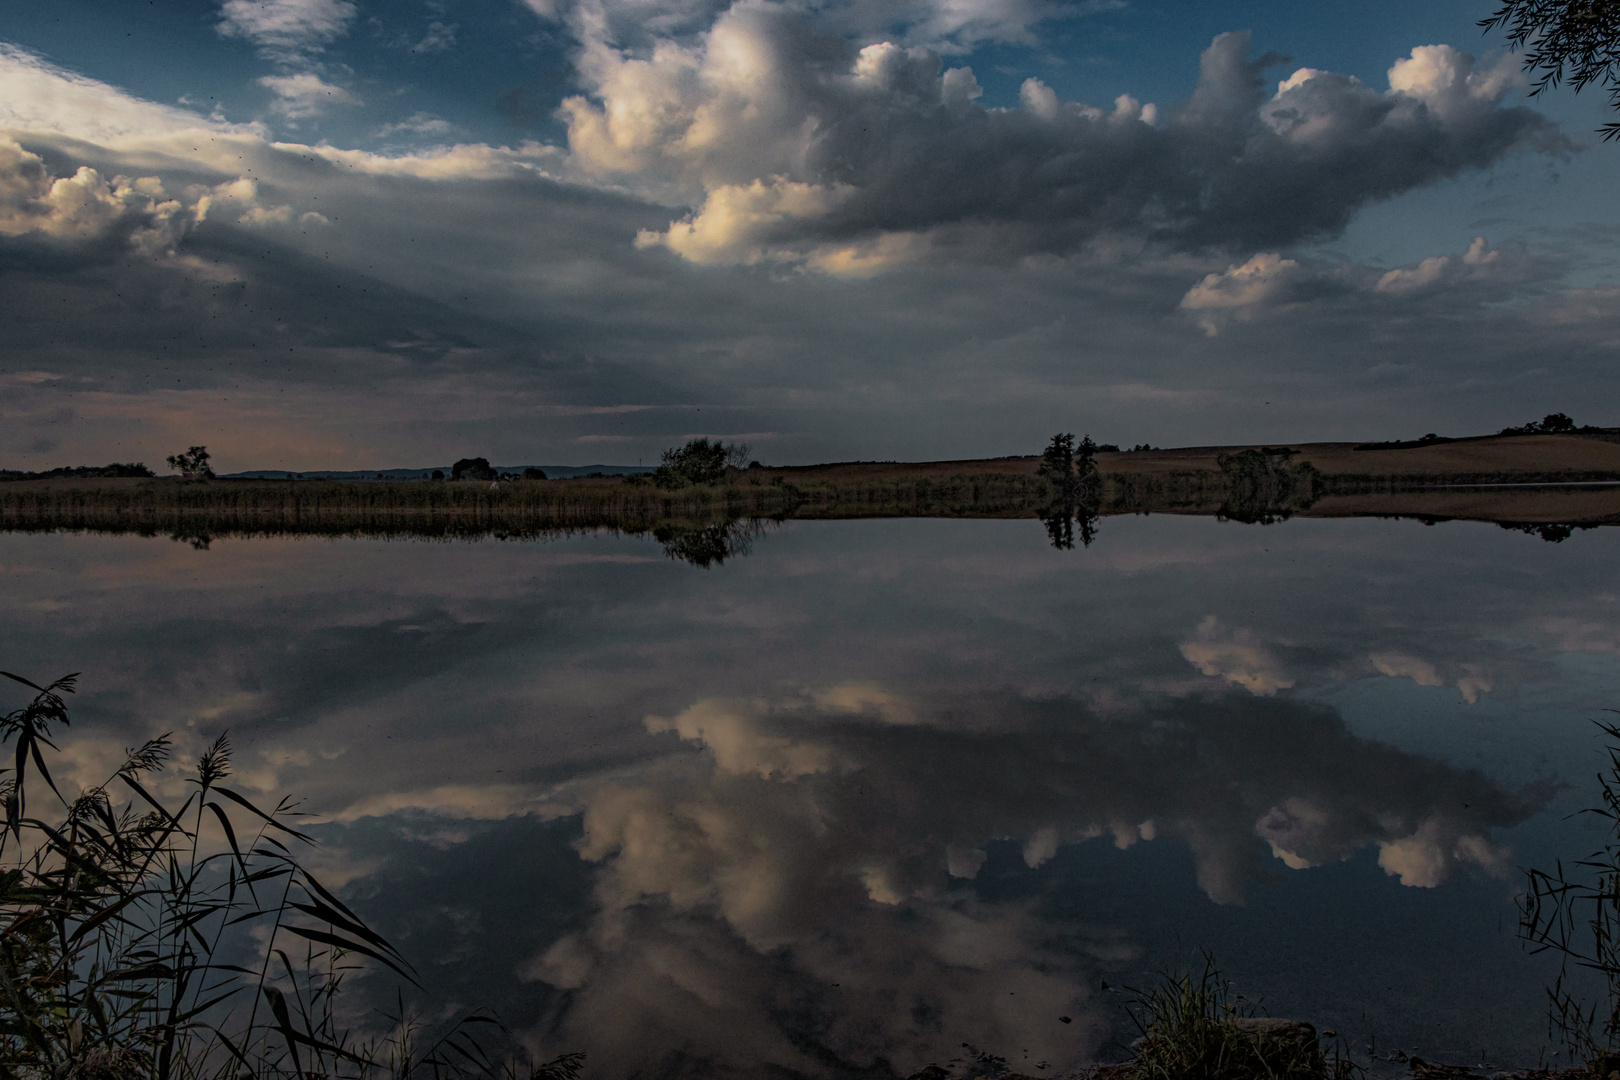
{"x": 1524, "y": 482}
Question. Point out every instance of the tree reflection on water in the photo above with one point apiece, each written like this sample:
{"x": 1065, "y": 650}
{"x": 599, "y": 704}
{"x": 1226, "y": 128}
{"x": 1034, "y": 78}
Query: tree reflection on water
{"x": 712, "y": 544}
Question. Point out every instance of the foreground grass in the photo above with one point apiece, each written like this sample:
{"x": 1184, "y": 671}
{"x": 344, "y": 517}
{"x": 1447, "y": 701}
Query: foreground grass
{"x": 145, "y": 937}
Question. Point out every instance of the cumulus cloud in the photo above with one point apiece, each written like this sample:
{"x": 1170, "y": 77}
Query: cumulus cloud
{"x": 84, "y": 206}
{"x": 87, "y": 209}
{"x": 1268, "y": 283}
{"x": 1240, "y": 291}
{"x": 1471, "y": 263}
{"x": 787, "y": 140}
{"x": 1236, "y": 656}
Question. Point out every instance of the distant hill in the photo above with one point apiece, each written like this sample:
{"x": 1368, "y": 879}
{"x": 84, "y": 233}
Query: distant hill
{"x": 555, "y": 472}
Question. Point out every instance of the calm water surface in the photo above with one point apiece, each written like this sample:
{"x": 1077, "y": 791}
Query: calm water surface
{"x": 880, "y": 788}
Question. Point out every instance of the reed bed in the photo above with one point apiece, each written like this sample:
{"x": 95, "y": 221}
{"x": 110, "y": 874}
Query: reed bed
{"x": 200, "y": 511}
{"x": 516, "y": 510}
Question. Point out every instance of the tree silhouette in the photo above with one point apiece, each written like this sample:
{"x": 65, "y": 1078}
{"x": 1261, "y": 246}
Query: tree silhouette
{"x": 193, "y": 464}
{"x": 1071, "y": 469}
{"x": 1574, "y": 40}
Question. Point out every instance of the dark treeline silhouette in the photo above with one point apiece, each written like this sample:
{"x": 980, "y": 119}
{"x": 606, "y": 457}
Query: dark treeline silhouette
{"x": 113, "y": 471}
{"x": 1076, "y": 490}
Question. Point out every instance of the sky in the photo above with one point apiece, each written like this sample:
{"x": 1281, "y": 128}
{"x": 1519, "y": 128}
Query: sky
{"x": 344, "y": 234}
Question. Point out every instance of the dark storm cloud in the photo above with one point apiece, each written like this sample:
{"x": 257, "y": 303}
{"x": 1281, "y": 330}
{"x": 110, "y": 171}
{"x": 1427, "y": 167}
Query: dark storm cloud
{"x": 789, "y": 141}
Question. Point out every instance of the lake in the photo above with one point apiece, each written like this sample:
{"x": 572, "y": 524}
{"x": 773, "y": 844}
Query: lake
{"x": 866, "y": 791}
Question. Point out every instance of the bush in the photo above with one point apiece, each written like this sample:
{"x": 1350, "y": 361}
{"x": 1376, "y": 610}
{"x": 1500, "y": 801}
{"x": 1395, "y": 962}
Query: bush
{"x": 1551, "y": 424}
{"x": 472, "y": 469}
{"x": 1193, "y": 1028}
{"x": 700, "y": 461}
{"x": 193, "y": 464}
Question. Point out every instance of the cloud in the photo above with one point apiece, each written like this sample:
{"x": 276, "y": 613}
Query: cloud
{"x": 495, "y": 248}
{"x": 1268, "y": 284}
{"x": 462, "y": 161}
{"x": 286, "y": 29}
{"x": 1235, "y": 655}
{"x": 1473, "y": 262}
{"x": 39, "y": 98}
{"x": 738, "y": 223}
{"x": 440, "y": 37}
{"x": 304, "y": 94}
{"x": 1239, "y": 291}
{"x": 1472, "y": 679}
{"x": 84, "y": 206}
{"x": 948, "y": 26}
{"x": 789, "y": 142}
{"x": 1581, "y": 634}
{"x": 754, "y": 865}
{"x": 1396, "y": 665}
{"x": 421, "y": 123}
{"x": 87, "y": 211}
{"x": 739, "y": 745}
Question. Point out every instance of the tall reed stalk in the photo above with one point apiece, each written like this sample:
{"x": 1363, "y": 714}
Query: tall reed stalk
{"x": 1576, "y": 915}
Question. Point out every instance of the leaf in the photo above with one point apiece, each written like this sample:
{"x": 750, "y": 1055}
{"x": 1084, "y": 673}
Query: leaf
{"x": 327, "y": 914}
{"x": 106, "y": 913}
{"x": 234, "y": 797}
{"x": 143, "y": 793}
{"x": 230, "y": 834}
{"x": 324, "y": 938}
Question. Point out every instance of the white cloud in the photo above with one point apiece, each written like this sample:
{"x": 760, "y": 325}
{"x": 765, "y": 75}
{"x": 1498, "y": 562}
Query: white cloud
{"x": 1429, "y": 856}
{"x": 304, "y": 94}
{"x": 38, "y": 98}
{"x": 138, "y": 214}
{"x": 1239, "y": 291}
{"x": 790, "y": 143}
{"x": 80, "y": 207}
{"x": 1472, "y": 679}
{"x": 421, "y": 123}
{"x": 1396, "y": 665}
{"x": 947, "y": 26}
{"x": 1473, "y": 263}
{"x": 463, "y": 161}
{"x": 1235, "y": 655}
{"x": 739, "y": 222}
{"x": 732, "y": 733}
{"x": 1268, "y": 283}
{"x": 1581, "y": 635}
{"x": 284, "y": 29}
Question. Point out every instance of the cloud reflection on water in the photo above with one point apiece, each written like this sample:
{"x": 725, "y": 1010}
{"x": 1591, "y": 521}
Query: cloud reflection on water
{"x": 804, "y": 882}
